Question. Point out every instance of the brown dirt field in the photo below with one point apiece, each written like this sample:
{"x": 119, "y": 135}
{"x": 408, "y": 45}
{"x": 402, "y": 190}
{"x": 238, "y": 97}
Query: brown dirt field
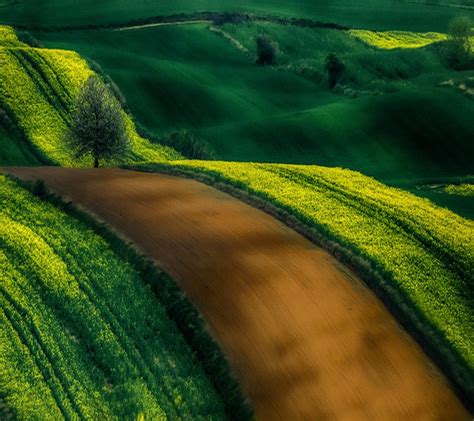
{"x": 306, "y": 337}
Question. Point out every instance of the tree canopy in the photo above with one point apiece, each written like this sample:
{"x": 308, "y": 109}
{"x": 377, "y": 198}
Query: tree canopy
{"x": 98, "y": 127}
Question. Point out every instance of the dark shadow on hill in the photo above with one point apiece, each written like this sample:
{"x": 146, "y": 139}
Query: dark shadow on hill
{"x": 434, "y": 128}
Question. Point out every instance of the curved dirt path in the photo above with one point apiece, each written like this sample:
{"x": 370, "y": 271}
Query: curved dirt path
{"x": 306, "y": 337}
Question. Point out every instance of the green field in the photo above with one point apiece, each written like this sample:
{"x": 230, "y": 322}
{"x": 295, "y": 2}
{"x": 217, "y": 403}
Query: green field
{"x": 424, "y": 253}
{"x": 191, "y": 79}
{"x": 372, "y": 14}
{"x": 398, "y": 125}
{"x": 386, "y": 140}
{"x": 461, "y": 204}
{"x": 303, "y": 50}
{"x": 79, "y": 326}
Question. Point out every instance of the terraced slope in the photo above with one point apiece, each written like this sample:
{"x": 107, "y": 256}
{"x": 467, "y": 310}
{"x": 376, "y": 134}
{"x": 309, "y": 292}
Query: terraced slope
{"x": 307, "y": 338}
{"x": 82, "y": 335}
{"x": 38, "y": 88}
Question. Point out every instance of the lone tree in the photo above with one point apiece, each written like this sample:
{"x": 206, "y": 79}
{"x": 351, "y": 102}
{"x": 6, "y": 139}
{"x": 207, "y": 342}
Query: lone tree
{"x": 98, "y": 128}
{"x": 458, "y": 46}
{"x": 266, "y": 51}
{"x": 335, "y": 69}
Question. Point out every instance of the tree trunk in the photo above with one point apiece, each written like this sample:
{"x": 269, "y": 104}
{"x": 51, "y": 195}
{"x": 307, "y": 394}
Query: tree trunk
{"x": 96, "y": 162}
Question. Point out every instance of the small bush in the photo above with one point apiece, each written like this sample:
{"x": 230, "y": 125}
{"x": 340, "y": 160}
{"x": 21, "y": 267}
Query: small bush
{"x": 189, "y": 145}
{"x": 267, "y": 51}
{"x": 39, "y": 189}
{"x": 457, "y": 50}
{"x": 227, "y": 17}
{"x": 335, "y": 69}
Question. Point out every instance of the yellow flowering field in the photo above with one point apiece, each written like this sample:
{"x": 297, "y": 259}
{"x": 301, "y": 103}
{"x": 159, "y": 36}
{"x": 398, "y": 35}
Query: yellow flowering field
{"x": 389, "y": 40}
{"x": 82, "y": 335}
{"x": 8, "y": 37}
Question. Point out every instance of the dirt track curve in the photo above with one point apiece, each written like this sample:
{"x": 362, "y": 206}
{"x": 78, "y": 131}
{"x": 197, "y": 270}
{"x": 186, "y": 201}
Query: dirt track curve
{"x": 306, "y": 337}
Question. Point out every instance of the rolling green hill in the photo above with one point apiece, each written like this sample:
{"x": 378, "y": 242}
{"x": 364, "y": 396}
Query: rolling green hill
{"x": 191, "y": 79}
{"x": 390, "y": 119}
{"x": 393, "y": 124}
{"x": 394, "y": 136}
{"x": 397, "y": 127}
{"x": 373, "y": 14}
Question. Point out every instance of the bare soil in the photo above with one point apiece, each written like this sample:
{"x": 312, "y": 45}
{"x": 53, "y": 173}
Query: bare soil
{"x": 307, "y": 339}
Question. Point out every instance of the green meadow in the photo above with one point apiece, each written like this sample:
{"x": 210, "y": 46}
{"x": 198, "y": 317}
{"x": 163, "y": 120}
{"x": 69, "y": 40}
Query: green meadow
{"x": 14, "y": 150}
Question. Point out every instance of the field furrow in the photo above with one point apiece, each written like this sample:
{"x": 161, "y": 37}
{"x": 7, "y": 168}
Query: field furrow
{"x": 36, "y": 71}
{"x": 448, "y": 249}
{"x": 29, "y": 335}
{"x": 21, "y": 358}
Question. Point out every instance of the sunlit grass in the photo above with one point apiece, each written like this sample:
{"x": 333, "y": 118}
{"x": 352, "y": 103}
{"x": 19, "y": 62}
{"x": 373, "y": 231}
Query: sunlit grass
{"x": 389, "y": 40}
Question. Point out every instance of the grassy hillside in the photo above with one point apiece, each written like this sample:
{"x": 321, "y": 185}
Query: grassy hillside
{"x": 425, "y": 254}
{"x": 82, "y": 335}
{"x": 38, "y": 88}
{"x": 192, "y": 78}
{"x": 373, "y": 14}
{"x": 400, "y": 135}
{"x": 197, "y": 80}
{"x": 304, "y": 50}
